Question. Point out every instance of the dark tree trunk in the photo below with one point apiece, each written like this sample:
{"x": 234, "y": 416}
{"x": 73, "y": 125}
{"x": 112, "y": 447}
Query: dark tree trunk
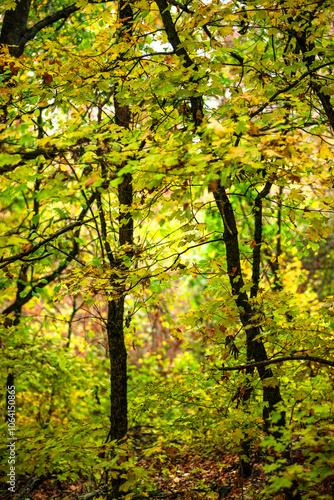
{"x": 255, "y": 348}
{"x": 13, "y": 27}
{"x": 115, "y": 323}
{"x": 118, "y": 370}
{"x": 254, "y": 344}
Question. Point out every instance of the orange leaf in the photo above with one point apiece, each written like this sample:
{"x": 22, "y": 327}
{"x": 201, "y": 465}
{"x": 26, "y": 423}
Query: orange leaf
{"x": 212, "y": 186}
{"x": 47, "y": 78}
{"x": 26, "y": 247}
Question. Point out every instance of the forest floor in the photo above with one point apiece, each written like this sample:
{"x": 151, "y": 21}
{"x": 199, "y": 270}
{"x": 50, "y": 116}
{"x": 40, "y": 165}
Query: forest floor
{"x": 176, "y": 473}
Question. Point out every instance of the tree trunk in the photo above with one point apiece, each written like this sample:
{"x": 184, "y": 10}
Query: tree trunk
{"x": 13, "y": 27}
{"x": 254, "y": 344}
{"x": 115, "y": 323}
{"x": 118, "y": 370}
{"x": 255, "y": 348}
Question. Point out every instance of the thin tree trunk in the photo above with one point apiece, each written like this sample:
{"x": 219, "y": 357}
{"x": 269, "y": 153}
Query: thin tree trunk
{"x": 115, "y": 322}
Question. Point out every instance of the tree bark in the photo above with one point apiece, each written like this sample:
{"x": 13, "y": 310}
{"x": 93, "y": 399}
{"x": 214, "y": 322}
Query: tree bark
{"x": 118, "y": 370}
{"x": 14, "y": 25}
{"x": 115, "y": 322}
{"x": 255, "y": 346}
{"x": 15, "y": 33}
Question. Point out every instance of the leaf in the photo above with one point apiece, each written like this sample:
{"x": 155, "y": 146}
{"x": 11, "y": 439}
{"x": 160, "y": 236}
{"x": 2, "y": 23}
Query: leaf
{"x": 89, "y": 182}
{"x": 47, "y": 78}
{"x": 216, "y": 128}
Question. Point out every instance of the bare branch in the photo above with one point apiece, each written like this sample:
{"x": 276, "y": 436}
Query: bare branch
{"x": 258, "y": 238}
{"x": 30, "y": 155}
{"x": 33, "y": 248}
{"x": 30, "y": 33}
{"x": 298, "y": 357}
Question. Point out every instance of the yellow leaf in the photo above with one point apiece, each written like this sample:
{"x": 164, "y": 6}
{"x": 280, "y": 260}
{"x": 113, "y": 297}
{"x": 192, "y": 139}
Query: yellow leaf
{"x": 216, "y": 127}
{"x": 325, "y": 152}
{"x": 270, "y": 153}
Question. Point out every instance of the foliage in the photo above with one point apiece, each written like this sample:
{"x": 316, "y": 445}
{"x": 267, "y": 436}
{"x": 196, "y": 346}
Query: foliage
{"x": 166, "y": 217}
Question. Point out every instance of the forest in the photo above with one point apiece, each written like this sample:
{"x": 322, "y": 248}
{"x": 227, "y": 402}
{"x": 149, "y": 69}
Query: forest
{"x": 166, "y": 249}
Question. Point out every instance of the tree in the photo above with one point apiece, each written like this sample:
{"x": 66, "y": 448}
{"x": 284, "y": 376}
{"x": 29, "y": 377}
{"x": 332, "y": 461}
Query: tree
{"x": 15, "y": 23}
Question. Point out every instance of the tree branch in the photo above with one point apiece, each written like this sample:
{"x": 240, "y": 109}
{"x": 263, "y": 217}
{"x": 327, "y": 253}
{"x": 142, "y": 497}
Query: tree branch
{"x": 30, "y": 155}
{"x": 105, "y": 242}
{"x": 299, "y": 357}
{"x": 22, "y": 255}
{"x": 45, "y": 280}
{"x": 180, "y": 51}
{"x": 258, "y": 238}
{"x": 288, "y": 87}
{"x": 185, "y": 8}
{"x": 30, "y": 33}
